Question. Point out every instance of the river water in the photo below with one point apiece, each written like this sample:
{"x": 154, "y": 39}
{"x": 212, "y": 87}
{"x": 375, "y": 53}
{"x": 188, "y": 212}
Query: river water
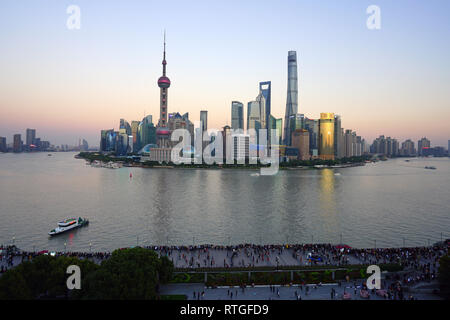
{"x": 386, "y": 204}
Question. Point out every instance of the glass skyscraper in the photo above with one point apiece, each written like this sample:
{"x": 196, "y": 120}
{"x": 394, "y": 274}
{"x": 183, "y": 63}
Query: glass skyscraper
{"x": 326, "y": 136}
{"x": 265, "y": 89}
{"x": 292, "y": 95}
{"x": 237, "y": 115}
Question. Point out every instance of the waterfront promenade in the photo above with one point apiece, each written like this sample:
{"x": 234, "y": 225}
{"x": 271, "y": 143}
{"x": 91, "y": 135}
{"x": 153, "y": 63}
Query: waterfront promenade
{"x": 423, "y": 259}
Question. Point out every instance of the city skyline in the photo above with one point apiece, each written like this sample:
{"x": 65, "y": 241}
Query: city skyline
{"x": 381, "y": 99}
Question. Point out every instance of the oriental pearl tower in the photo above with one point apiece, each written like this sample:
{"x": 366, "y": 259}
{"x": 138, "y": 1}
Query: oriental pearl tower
{"x": 162, "y": 131}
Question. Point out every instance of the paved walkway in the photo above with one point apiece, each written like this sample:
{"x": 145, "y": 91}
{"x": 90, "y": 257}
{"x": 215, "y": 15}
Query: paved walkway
{"x": 322, "y": 292}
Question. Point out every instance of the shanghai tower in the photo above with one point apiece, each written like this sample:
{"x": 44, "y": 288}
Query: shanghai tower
{"x": 292, "y": 96}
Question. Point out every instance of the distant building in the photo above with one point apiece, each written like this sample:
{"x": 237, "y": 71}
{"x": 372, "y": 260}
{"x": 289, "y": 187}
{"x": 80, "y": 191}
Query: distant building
{"x": 277, "y": 124}
{"x": 204, "y": 120}
{"x": 178, "y": 121}
{"x": 337, "y": 137}
{"x": 30, "y": 136}
{"x": 326, "y": 136}
{"x": 160, "y": 155}
{"x": 135, "y": 134}
{"x": 83, "y": 145}
{"x": 265, "y": 89}
{"x": 148, "y": 132}
{"x": 17, "y": 143}
{"x": 300, "y": 141}
{"x": 312, "y": 126}
{"x": 408, "y": 148}
{"x": 292, "y": 95}
{"x": 241, "y": 147}
{"x": 237, "y": 115}
{"x": 3, "y": 146}
{"x": 422, "y": 144}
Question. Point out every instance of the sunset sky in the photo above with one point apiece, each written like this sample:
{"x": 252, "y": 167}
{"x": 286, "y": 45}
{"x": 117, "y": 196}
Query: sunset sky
{"x": 70, "y": 84}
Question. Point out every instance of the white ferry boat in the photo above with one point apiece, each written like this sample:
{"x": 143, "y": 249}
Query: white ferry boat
{"x": 68, "y": 224}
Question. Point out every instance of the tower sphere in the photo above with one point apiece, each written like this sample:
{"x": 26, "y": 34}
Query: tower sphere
{"x": 163, "y": 82}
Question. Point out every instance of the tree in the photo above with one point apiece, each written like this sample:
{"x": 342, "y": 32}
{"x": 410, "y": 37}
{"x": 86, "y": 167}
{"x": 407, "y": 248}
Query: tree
{"x": 444, "y": 275}
{"x": 43, "y": 277}
{"x": 128, "y": 274}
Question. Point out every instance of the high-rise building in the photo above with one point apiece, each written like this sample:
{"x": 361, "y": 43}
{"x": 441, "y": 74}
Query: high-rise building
{"x": 135, "y": 134}
{"x": 204, "y": 120}
{"x": 277, "y": 124}
{"x": 448, "y": 148}
{"x": 312, "y": 125}
{"x": 348, "y": 143}
{"x": 408, "y": 148}
{"x": 298, "y": 121}
{"x": 17, "y": 143}
{"x": 337, "y": 136}
{"x": 125, "y": 125}
{"x": 292, "y": 95}
{"x": 31, "y": 135}
{"x": 3, "y": 147}
{"x": 265, "y": 89}
{"x": 83, "y": 145}
{"x": 147, "y": 132}
{"x": 237, "y": 115}
{"x": 162, "y": 131}
{"x": 300, "y": 140}
{"x": 253, "y": 115}
{"x": 422, "y": 144}
{"x": 326, "y": 136}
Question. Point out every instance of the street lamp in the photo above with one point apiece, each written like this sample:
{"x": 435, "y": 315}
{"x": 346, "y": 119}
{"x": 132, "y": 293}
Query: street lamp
{"x": 341, "y": 238}
{"x": 65, "y": 247}
{"x": 90, "y": 246}
{"x": 14, "y": 239}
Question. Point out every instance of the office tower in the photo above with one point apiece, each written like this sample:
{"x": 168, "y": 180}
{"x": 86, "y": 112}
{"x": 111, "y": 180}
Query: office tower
{"x": 104, "y": 140}
{"x": 3, "y": 144}
{"x": 277, "y": 124}
{"x": 312, "y": 126}
{"x": 326, "y": 136}
{"x": 422, "y": 144}
{"x": 265, "y": 89}
{"x": 297, "y": 121}
{"x": 337, "y": 136}
{"x": 147, "y": 132}
{"x": 254, "y": 115}
{"x": 17, "y": 143}
{"x": 135, "y": 134}
{"x": 241, "y": 147}
{"x": 408, "y": 148}
{"x": 204, "y": 120}
{"x": 237, "y": 115}
{"x": 83, "y": 145}
{"x": 226, "y": 142}
{"x": 178, "y": 121}
{"x": 162, "y": 132}
{"x": 125, "y": 125}
{"x": 292, "y": 95}
{"x": 30, "y": 136}
{"x": 300, "y": 140}
{"x": 348, "y": 143}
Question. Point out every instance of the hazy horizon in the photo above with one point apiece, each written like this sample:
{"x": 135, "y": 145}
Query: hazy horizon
{"x": 70, "y": 84}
